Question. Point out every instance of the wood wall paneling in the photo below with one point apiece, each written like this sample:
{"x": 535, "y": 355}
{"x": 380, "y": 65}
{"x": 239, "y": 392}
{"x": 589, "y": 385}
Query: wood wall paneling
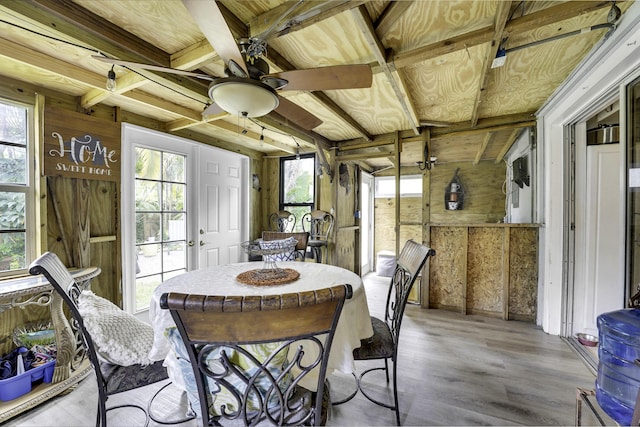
{"x": 523, "y": 274}
{"x": 485, "y": 269}
{"x": 448, "y": 268}
{"x": 484, "y": 199}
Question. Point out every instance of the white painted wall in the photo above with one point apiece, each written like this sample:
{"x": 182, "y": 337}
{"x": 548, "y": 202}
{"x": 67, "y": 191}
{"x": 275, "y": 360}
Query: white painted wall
{"x": 614, "y": 63}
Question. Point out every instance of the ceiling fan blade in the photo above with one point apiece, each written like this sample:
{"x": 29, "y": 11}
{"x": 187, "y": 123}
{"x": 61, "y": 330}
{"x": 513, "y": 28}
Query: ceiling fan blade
{"x": 209, "y": 18}
{"x": 297, "y": 114}
{"x": 130, "y": 64}
{"x": 327, "y": 78}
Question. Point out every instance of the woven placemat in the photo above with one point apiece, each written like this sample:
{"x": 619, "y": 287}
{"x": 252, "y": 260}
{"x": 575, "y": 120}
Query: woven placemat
{"x": 268, "y": 277}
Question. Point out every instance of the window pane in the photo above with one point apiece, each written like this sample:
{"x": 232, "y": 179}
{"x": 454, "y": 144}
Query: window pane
{"x": 13, "y": 124}
{"x": 147, "y": 195}
{"x": 175, "y": 256}
{"x": 174, "y": 226}
{"x": 173, "y": 167}
{"x": 12, "y": 211}
{"x": 148, "y": 164}
{"x": 13, "y": 164}
{"x": 298, "y": 180}
{"x": 144, "y": 289}
{"x": 173, "y": 197}
{"x": 147, "y": 227}
{"x": 12, "y": 251}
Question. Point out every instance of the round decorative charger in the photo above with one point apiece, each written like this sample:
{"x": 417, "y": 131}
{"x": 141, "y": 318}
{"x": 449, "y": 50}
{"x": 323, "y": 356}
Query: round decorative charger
{"x": 268, "y": 277}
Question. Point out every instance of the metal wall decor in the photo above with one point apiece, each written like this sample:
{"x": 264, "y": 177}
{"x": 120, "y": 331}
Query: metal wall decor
{"x": 454, "y": 194}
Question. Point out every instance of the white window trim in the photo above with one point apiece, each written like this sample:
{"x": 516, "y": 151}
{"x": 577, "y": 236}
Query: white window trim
{"x": 32, "y": 190}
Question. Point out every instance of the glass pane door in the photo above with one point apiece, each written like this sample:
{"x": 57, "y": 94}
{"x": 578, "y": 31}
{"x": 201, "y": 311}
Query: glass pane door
{"x": 161, "y": 226}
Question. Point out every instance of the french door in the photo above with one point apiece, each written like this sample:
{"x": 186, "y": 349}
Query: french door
{"x": 185, "y": 206}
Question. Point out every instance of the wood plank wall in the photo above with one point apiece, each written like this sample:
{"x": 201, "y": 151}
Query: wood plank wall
{"x": 485, "y": 269}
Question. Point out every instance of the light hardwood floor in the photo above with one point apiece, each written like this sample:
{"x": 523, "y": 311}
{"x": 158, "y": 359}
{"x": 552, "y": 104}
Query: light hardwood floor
{"x": 453, "y": 370}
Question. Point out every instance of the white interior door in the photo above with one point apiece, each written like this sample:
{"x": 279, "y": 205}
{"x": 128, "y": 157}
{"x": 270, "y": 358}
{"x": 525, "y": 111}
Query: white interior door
{"x": 223, "y": 207}
{"x": 366, "y": 223}
{"x": 599, "y": 278}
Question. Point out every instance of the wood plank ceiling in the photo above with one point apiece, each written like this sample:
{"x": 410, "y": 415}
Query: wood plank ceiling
{"x": 431, "y": 61}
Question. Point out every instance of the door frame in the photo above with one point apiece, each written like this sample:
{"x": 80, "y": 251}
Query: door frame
{"x": 575, "y": 190}
{"x": 368, "y": 250}
{"x": 134, "y": 136}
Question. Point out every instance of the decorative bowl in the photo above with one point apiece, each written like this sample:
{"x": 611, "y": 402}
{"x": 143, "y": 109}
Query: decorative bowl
{"x": 588, "y": 340}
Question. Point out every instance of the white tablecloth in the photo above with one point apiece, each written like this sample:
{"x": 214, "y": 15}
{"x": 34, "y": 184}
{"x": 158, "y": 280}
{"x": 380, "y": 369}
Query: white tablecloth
{"x": 354, "y": 323}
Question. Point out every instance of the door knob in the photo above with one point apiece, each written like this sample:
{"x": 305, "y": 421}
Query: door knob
{"x": 201, "y": 242}
{"x": 190, "y": 243}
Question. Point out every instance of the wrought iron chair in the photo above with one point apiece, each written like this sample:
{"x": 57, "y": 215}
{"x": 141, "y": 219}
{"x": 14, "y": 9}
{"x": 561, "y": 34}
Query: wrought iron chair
{"x": 318, "y": 224}
{"x": 301, "y": 237}
{"x": 111, "y": 378}
{"x": 282, "y": 221}
{"x": 386, "y": 333}
{"x": 250, "y": 354}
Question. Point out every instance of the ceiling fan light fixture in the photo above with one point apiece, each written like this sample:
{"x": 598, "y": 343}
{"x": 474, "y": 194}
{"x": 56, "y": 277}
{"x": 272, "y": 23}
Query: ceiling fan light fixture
{"x": 243, "y": 97}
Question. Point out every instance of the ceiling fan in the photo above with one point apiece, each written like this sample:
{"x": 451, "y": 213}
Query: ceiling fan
{"x": 249, "y": 90}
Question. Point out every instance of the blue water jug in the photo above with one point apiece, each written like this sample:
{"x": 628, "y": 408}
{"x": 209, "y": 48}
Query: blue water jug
{"x": 618, "y": 379}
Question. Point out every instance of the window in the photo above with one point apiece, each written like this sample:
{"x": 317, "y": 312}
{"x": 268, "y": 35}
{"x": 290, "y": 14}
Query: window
{"x": 17, "y": 194}
{"x": 297, "y": 185}
{"x": 410, "y": 186}
{"x": 160, "y": 192}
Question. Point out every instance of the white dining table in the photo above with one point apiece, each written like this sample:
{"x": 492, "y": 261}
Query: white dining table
{"x": 354, "y": 323}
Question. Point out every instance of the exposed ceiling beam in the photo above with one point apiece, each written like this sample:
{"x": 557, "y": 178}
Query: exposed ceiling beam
{"x": 307, "y": 14}
{"x": 75, "y": 24}
{"x": 485, "y": 143}
{"x": 510, "y": 120}
{"x": 529, "y": 22}
{"x": 395, "y": 80}
{"x": 507, "y": 146}
{"x": 502, "y": 15}
{"x": 390, "y": 15}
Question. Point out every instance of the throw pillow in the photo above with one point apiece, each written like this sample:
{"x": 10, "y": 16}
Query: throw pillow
{"x": 120, "y": 338}
{"x": 287, "y": 255}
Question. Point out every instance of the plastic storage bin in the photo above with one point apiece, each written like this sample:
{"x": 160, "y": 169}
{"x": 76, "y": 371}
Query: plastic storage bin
{"x": 618, "y": 379}
{"x": 14, "y": 387}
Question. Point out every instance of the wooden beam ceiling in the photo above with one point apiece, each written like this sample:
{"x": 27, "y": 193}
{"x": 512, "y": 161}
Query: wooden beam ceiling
{"x": 502, "y": 15}
{"x": 393, "y": 76}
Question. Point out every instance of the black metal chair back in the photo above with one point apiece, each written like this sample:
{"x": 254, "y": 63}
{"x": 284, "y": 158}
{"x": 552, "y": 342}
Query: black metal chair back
{"x": 319, "y": 225}
{"x": 296, "y": 331}
{"x": 383, "y": 345}
{"x": 283, "y": 221}
{"x": 111, "y": 379}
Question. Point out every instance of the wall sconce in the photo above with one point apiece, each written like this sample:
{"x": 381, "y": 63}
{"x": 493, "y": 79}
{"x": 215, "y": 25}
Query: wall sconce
{"x": 428, "y": 162}
{"x": 454, "y": 194}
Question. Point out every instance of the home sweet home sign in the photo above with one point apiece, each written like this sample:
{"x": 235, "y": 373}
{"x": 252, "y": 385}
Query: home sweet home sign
{"x": 80, "y": 146}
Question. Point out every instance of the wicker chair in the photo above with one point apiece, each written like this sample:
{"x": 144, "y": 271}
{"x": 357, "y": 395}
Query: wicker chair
{"x": 293, "y": 332}
{"x": 319, "y": 225}
{"x": 282, "y": 221}
{"x": 111, "y": 378}
{"x": 383, "y": 345}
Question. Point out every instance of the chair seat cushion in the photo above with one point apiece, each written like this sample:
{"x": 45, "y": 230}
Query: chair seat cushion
{"x": 123, "y": 378}
{"x": 379, "y": 346}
